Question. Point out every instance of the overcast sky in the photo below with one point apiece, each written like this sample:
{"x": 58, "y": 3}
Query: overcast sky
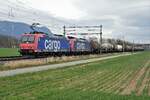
{"x": 120, "y": 18}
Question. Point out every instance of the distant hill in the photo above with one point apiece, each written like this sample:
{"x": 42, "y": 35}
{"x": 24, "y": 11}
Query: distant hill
{"x": 16, "y": 16}
{"x": 15, "y": 29}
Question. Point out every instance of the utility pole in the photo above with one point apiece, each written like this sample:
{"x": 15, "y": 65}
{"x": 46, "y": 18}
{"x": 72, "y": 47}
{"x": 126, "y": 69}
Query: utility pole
{"x": 100, "y": 38}
{"x": 123, "y": 47}
{"x": 64, "y": 30}
{"x": 12, "y": 41}
{"x": 133, "y": 47}
{"x": 10, "y": 14}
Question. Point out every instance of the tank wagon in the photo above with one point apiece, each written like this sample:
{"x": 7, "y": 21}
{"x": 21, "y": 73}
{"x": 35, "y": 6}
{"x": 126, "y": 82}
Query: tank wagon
{"x": 107, "y": 46}
{"x": 94, "y": 46}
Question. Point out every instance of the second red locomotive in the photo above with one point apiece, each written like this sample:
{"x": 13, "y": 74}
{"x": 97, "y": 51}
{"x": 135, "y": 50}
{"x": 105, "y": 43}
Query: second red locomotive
{"x": 39, "y": 43}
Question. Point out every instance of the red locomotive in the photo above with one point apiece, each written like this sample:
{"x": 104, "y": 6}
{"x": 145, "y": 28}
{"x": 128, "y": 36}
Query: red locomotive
{"x": 29, "y": 43}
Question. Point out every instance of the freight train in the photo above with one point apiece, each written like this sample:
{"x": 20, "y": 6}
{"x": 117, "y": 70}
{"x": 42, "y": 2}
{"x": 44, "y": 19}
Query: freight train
{"x": 39, "y": 43}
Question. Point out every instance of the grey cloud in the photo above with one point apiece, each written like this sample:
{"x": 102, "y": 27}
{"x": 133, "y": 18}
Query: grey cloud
{"x": 130, "y": 18}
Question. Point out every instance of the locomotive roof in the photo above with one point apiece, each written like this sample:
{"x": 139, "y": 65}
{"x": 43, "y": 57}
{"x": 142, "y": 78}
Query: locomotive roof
{"x": 36, "y": 33}
{"x": 71, "y": 37}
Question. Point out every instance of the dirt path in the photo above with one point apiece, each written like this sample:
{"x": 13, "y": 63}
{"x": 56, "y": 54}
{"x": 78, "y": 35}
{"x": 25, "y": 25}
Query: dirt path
{"x": 131, "y": 87}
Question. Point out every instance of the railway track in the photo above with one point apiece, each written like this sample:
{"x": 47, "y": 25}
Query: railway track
{"x": 13, "y": 58}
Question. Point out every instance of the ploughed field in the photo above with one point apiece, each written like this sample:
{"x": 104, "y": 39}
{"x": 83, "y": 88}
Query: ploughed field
{"x": 121, "y": 78}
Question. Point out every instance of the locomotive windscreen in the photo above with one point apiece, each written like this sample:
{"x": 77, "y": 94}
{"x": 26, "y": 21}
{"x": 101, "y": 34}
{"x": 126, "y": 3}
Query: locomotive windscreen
{"x": 27, "y": 39}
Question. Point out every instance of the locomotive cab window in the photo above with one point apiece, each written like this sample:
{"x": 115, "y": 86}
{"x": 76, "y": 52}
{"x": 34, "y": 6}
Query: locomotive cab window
{"x": 27, "y": 39}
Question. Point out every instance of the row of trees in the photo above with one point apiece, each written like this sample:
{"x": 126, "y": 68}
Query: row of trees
{"x": 8, "y": 42}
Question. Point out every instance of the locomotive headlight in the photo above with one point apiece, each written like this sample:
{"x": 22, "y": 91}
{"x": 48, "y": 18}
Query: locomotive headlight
{"x": 31, "y": 47}
{"x": 21, "y": 47}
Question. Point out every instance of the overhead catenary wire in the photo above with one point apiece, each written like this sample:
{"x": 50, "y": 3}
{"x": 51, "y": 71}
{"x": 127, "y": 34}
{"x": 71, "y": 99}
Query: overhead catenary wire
{"x": 27, "y": 15}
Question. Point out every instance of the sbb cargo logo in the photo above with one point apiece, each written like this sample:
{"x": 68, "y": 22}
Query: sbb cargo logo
{"x": 80, "y": 46}
{"x": 52, "y": 45}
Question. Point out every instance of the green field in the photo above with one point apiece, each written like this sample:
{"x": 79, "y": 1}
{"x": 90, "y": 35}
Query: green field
{"x": 122, "y": 78}
{"x": 4, "y": 52}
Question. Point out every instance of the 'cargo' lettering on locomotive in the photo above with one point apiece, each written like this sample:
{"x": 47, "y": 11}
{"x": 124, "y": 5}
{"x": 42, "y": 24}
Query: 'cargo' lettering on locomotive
{"x": 80, "y": 46}
{"x": 52, "y": 45}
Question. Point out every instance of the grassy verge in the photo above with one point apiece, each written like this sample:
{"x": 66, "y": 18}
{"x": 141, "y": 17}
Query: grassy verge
{"x": 93, "y": 81}
{"x": 4, "y": 52}
{"x": 46, "y": 61}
